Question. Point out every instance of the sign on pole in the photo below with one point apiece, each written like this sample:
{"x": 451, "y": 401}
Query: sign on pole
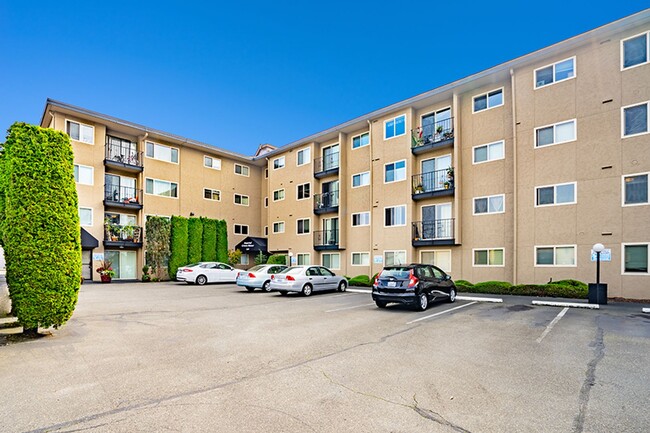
{"x": 605, "y": 255}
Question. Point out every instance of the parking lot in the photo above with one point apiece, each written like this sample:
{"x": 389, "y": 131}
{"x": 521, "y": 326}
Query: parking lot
{"x": 174, "y": 357}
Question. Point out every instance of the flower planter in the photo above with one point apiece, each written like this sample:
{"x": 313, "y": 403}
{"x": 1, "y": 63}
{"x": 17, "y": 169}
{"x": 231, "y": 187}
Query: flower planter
{"x": 105, "y": 278}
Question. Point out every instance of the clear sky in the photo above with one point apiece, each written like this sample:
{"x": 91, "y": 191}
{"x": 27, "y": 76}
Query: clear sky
{"x": 236, "y": 74}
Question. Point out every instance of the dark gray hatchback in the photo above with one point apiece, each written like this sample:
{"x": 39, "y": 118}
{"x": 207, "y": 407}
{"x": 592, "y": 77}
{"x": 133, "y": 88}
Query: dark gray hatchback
{"x": 415, "y": 285}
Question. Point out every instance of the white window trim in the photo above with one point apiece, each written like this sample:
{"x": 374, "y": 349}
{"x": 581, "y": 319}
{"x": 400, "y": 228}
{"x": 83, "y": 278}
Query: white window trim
{"x": 241, "y": 174}
{"x": 393, "y": 119}
{"x": 436, "y": 111}
{"x": 636, "y": 104}
{"x": 554, "y": 125}
{"x": 92, "y": 216}
{"x": 359, "y": 174}
{"x": 360, "y": 225}
{"x": 80, "y": 123}
{"x": 647, "y": 173}
{"x": 162, "y": 160}
{"x": 488, "y": 250}
{"x": 503, "y": 99}
{"x": 92, "y": 177}
{"x": 575, "y": 73}
{"x": 623, "y": 245}
{"x": 284, "y": 162}
{"x": 441, "y": 251}
{"x": 284, "y": 226}
{"x": 306, "y": 198}
{"x": 575, "y": 256}
{"x": 330, "y": 254}
{"x": 488, "y": 212}
{"x": 284, "y": 194}
{"x": 395, "y": 225}
{"x": 647, "y": 42}
{"x": 406, "y": 258}
{"x": 213, "y": 190}
{"x": 310, "y": 227}
{"x": 487, "y": 145}
{"x": 555, "y": 185}
{"x": 395, "y": 162}
{"x": 248, "y": 230}
{"x": 241, "y": 195}
{"x": 359, "y": 252}
{"x": 178, "y": 188}
{"x": 359, "y": 135}
{"x": 308, "y": 160}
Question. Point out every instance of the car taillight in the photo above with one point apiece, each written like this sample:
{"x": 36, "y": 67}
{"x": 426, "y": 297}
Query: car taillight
{"x": 251, "y": 275}
{"x": 413, "y": 280}
{"x": 376, "y": 283}
{"x": 273, "y": 277}
{"x": 187, "y": 270}
{"x": 290, "y": 278}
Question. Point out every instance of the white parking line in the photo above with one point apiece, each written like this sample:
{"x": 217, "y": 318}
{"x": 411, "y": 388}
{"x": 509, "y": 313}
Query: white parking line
{"x": 552, "y": 324}
{"x": 478, "y": 299}
{"x": 349, "y": 308}
{"x": 567, "y": 304}
{"x": 442, "y": 312}
{"x": 359, "y": 290}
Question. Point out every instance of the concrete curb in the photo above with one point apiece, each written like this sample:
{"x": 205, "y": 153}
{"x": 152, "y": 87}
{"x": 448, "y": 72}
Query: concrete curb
{"x": 567, "y": 304}
{"x": 359, "y": 290}
{"x": 478, "y": 299}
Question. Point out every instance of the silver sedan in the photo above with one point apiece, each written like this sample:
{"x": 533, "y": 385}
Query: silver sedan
{"x": 306, "y": 280}
{"x": 258, "y": 277}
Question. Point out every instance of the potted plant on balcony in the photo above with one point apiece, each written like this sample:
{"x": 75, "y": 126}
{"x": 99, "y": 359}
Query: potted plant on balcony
{"x": 111, "y": 231}
{"x": 418, "y": 188}
{"x": 105, "y": 271}
{"x": 128, "y": 232}
{"x": 450, "y": 173}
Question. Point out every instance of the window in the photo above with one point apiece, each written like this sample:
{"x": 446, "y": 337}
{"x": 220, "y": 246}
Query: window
{"x": 303, "y": 259}
{"x": 241, "y": 229}
{"x": 635, "y": 120}
{"x": 241, "y": 199}
{"x": 303, "y": 226}
{"x": 392, "y": 258}
{"x": 489, "y": 204}
{"x": 488, "y": 100}
{"x": 303, "y": 156}
{"x": 635, "y": 189}
{"x": 360, "y": 219}
{"x": 555, "y": 134}
{"x": 332, "y": 260}
{"x": 554, "y": 73}
{"x": 395, "y": 127}
{"x": 278, "y": 163}
{"x": 162, "y": 152}
{"x": 559, "y": 194}
{"x": 634, "y": 51}
{"x": 241, "y": 170}
{"x": 266, "y": 202}
{"x": 278, "y": 227}
{"x": 395, "y": 171}
{"x": 266, "y": 173}
{"x": 360, "y": 140}
{"x": 85, "y": 216}
{"x": 162, "y": 188}
{"x": 555, "y": 256}
{"x": 80, "y": 132}
{"x": 266, "y": 230}
{"x": 303, "y": 191}
{"x": 441, "y": 259}
{"x": 243, "y": 260}
{"x": 361, "y": 179}
{"x": 635, "y": 258}
{"x": 211, "y": 194}
{"x": 360, "y": 259}
{"x": 488, "y": 257}
{"x": 395, "y": 216}
{"x": 213, "y": 163}
{"x": 278, "y": 195}
{"x": 83, "y": 174}
{"x": 489, "y": 152}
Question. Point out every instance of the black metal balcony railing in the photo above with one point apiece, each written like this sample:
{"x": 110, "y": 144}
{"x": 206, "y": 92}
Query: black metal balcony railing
{"x": 326, "y": 163}
{"x": 432, "y": 230}
{"x": 122, "y": 151}
{"x": 326, "y": 200}
{"x": 324, "y": 238}
{"x": 432, "y": 181}
{"x": 122, "y": 233}
{"x": 433, "y": 133}
{"x": 125, "y": 195}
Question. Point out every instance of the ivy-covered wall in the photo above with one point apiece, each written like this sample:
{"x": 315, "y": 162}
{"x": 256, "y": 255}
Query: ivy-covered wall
{"x": 209, "y": 253}
{"x": 158, "y": 234}
{"x": 178, "y": 245}
{"x": 222, "y": 241}
{"x": 195, "y": 240}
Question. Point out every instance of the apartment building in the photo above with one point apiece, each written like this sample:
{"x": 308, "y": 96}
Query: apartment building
{"x": 510, "y": 174}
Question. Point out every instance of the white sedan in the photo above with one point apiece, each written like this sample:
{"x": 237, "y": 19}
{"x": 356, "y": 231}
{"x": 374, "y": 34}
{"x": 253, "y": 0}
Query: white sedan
{"x": 207, "y": 272}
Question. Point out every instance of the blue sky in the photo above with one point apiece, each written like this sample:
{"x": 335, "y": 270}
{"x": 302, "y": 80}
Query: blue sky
{"x": 237, "y": 74}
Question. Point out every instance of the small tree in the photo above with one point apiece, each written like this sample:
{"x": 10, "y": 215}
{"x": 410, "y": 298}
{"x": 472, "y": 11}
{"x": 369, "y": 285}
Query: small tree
{"x": 277, "y": 259}
{"x": 194, "y": 240}
{"x": 158, "y": 234}
{"x": 178, "y": 253}
{"x": 222, "y": 241}
{"x": 234, "y": 257}
{"x": 209, "y": 250}
{"x": 260, "y": 259}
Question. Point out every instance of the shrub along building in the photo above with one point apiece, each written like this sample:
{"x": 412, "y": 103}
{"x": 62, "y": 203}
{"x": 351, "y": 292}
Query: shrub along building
{"x": 509, "y": 174}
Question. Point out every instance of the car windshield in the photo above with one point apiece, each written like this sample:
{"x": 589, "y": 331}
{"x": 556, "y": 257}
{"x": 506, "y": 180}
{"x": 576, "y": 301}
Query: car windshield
{"x": 400, "y": 273}
{"x": 294, "y": 270}
{"x": 257, "y": 268}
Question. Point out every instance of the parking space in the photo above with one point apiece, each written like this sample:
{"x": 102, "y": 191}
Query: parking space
{"x": 138, "y": 357}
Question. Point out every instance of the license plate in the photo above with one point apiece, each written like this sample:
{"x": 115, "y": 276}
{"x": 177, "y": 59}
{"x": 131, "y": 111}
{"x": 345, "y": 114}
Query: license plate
{"x": 392, "y": 284}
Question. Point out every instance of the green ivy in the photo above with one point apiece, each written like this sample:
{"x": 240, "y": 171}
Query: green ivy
{"x": 158, "y": 233}
{"x": 222, "y": 241}
{"x": 277, "y": 259}
{"x": 209, "y": 253}
{"x": 179, "y": 245}
{"x": 194, "y": 240}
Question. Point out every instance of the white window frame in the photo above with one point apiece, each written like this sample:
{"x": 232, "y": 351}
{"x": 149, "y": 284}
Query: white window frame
{"x": 248, "y": 170}
{"x": 68, "y": 121}
{"x": 308, "y": 160}
{"x": 503, "y": 143}
{"x": 435, "y": 252}
{"x": 281, "y": 158}
{"x": 636, "y": 104}
{"x": 212, "y": 193}
{"x": 322, "y": 261}
{"x": 178, "y": 187}
{"x": 178, "y": 152}
{"x": 647, "y": 173}
{"x": 647, "y": 41}
{"x": 303, "y": 219}
{"x": 554, "y": 125}
{"x": 393, "y": 163}
{"x": 359, "y": 137}
{"x": 241, "y": 226}
{"x": 92, "y": 216}
{"x": 92, "y": 174}
{"x": 234, "y": 199}
{"x": 623, "y": 245}
{"x": 359, "y": 213}
{"x": 575, "y": 73}
{"x": 308, "y": 255}
{"x": 406, "y": 261}
{"x": 360, "y": 253}
{"x": 283, "y": 227}
{"x": 488, "y": 249}
{"x": 393, "y": 120}
{"x": 554, "y": 265}
{"x": 503, "y": 99}
{"x": 575, "y": 194}
{"x": 393, "y": 207}
{"x": 488, "y": 197}
{"x": 304, "y": 198}
{"x": 360, "y": 178}
{"x": 284, "y": 194}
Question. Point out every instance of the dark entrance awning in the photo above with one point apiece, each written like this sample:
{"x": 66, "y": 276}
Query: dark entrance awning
{"x": 88, "y": 241}
{"x": 253, "y": 245}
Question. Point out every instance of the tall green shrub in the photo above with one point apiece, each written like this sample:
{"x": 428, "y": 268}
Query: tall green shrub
{"x": 194, "y": 239}
{"x": 222, "y": 241}
{"x": 41, "y": 226}
{"x": 209, "y": 250}
{"x": 277, "y": 259}
{"x": 158, "y": 233}
{"x": 178, "y": 253}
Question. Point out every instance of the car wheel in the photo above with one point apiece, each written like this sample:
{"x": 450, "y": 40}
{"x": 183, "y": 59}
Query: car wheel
{"x": 381, "y": 304}
{"x": 266, "y": 286}
{"x": 201, "y": 280}
{"x": 307, "y": 289}
{"x": 250, "y": 289}
{"x": 452, "y": 295}
{"x": 423, "y": 302}
{"x": 283, "y": 292}
{"x": 342, "y": 286}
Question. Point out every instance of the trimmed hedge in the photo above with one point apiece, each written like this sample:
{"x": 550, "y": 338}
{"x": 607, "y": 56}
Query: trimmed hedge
{"x": 277, "y": 259}
{"x": 559, "y": 289}
{"x": 179, "y": 244}
{"x": 222, "y": 241}
{"x": 360, "y": 280}
{"x": 40, "y": 230}
{"x": 194, "y": 240}
{"x": 209, "y": 252}
{"x": 157, "y": 233}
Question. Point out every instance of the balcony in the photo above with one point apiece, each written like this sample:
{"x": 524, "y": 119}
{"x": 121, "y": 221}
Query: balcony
{"x": 122, "y": 197}
{"x": 439, "y": 183}
{"x": 122, "y": 155}
{"x": 437, "y": 135}
{"x": 328, "y": 202}
{"x": 326, "y": 166}
{"x": 326, "y": 240}
{"x": 123, "y": 237}
{"x": 431, "y": 233}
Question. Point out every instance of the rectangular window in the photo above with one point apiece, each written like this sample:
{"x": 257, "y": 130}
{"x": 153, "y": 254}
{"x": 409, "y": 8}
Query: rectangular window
{"x": 303, "y": 259}
{"x": 360, "y": 259}
{"x": 551, "y": 195}
{"x": 244, "y": 259}
{"x": 635, "y": 189}
{"x": 241, "y": 170}
{"x": 555, "y": 134}
{"x": 635, "y": 120}
{"x": 361, "y": 179}
{"x": 266, "y": 202}
{"x": 241, "y": 229}
{"x": 360, "y": 140}
{"x": 488, "y": 100}
{"x": 302, "y": 226}
{"x": 278, "y": 195}
{"x": 440, "y": 258}
{"x": 395, "y": 216}
{"x": 634, "y": 50}
{"x": 211, "y": 194}
{"x": 266, "y": 230}
{"x": 635, "y": 258}
{"x": 332, "y": 260}
{"x": 85, "y": 216}
{"x": 360, "y": 219}
{"x": 489, "y": 204}
{"x": 395, "y": 127}
{"x": 564, "y": 255}
{"x": 304, "y": 191}
{"x": 80, "y": 132}
{"x": 395, "y": 171}
{"x": 161, "y": 152}
{"x": 83, "y": 174}
{"x": 161, "y": 188}
{"x": 303, "y": 156}
{"x": 278, "y": 163}
{"x": 560, "y": 71}
{"x": 213, "y": 163}
{"x": 266, "y": 173}
{"x": 489, "y": 152}
{"x": 394, "y": 258}
{"x": 241, "y": 199}
{"x": 488, "y": 257}
{"x": 278, "y": 227}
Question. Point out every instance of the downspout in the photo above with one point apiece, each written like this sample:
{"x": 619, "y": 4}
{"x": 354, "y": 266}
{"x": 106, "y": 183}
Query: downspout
{"x": 372, "y": 188}
{"x": 515, "y": 178}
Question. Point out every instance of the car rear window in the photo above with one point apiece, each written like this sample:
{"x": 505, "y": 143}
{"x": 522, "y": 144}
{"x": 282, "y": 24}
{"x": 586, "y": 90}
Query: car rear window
{"x": 294, "y": 270}
{"x": 191, "y": 265}
{"x": 400, "y": 273}
{"x": 257, "y": 268}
